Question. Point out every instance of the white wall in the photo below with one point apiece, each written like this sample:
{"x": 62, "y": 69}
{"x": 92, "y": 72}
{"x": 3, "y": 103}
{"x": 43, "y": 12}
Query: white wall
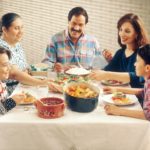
{"x": 43, "y": 18}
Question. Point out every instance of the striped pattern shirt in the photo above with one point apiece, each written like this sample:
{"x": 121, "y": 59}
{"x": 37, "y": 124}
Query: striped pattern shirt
{"x": 61, "y": 49}
{"x": 146, "y": 104}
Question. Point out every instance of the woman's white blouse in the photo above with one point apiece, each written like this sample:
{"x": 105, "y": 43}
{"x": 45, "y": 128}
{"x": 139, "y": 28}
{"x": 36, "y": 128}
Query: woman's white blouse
{"x": 18, "y": 57}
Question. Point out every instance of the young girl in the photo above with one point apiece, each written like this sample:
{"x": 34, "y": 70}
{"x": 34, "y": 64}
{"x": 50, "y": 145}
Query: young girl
{"x": 6, "y": 103}
{"x": 142, "y": 68}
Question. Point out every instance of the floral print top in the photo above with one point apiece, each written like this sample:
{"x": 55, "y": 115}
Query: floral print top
{"x": 146, "y": 104}
{"x": 18, "y": 57}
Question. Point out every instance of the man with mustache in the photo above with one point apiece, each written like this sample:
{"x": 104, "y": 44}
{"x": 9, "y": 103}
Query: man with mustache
{"x": 72, "y": 46}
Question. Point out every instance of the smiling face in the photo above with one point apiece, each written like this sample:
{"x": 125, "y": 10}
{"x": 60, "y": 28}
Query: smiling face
{"x": 127, "y": 34}
{"x": 4, "y": 66}
{"x": 76, "y": 27}
{"x": 14, "y": 33}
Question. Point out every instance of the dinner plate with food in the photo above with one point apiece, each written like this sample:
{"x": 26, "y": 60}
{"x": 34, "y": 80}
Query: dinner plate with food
{"x": 120, "y": 99}
{"x": 77, "y": 71}
{"x": 113, "y": 83}
{"x": 28, "y": 100}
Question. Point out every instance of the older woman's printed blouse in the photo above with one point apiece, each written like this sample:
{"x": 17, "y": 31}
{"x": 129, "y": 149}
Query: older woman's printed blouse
{"x": 18, "y": 56}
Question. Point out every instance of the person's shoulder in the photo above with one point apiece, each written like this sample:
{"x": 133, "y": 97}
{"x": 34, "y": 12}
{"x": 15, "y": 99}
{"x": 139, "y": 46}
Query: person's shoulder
{"x": 121, "y": 50}
{"x": 58, "y": 35}
{"x": 3, "y": 43}
{"x": 90, "y": 37}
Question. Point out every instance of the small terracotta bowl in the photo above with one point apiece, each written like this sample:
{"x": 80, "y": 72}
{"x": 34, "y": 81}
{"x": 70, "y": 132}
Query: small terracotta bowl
{"x": 50, "y": 107}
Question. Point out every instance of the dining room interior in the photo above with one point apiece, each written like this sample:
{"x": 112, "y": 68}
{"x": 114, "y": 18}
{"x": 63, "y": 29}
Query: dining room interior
{"x": 68, "y": 109}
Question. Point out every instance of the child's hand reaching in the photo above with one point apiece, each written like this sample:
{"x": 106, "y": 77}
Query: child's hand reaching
{"x": 109, "y": 90}
{"x": 112, "y": 110}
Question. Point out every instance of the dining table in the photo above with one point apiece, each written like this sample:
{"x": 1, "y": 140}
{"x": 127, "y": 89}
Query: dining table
{"x": 22, "y": 129}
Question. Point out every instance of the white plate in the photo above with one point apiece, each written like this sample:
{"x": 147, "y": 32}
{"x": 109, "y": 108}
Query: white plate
{"x": 32, "y": 100}
{"x": 108, "y": 99}
{"x": 115, "y": 83}
{"x": 78, "y": 71}
{"x": 29, "y": 103}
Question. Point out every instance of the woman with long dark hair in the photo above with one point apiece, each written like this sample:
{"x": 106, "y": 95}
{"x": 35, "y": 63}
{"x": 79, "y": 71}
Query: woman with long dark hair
{"x": 131, "y": 35}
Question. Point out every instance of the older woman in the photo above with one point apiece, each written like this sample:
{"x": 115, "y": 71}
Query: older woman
{"x": 12, "y": 31}
{"x": 11, "y": 34}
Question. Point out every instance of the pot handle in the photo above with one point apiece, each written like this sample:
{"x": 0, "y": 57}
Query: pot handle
{"x": 63, "y": 106}
{"x": 42, "y": 103}
{"x": 39, "y": 102}
{"x": 35, "y": 103}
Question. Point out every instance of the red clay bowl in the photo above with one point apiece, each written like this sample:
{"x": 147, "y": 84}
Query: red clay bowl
{"x": 50, "y": 107}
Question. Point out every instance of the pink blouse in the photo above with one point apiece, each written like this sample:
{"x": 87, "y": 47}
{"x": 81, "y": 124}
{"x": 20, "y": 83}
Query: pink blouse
{"x": 146, "y": 104}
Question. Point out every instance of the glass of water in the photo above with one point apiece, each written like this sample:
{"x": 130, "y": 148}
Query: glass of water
{"x": 51, "y": 74}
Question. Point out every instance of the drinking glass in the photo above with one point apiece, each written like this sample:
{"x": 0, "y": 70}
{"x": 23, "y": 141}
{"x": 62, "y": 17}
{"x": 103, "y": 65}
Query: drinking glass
{"x": 51, "y": 74}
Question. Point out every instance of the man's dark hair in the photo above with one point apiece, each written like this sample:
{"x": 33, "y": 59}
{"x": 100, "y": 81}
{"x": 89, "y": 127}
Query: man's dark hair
{"x": 78, "y": 11}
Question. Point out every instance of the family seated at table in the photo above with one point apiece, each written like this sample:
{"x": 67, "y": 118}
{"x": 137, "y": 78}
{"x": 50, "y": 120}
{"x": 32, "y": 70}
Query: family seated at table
{"x": 72, "y": 47}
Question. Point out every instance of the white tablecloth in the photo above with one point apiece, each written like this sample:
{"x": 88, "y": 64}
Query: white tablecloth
{"x": 24, "y": 130}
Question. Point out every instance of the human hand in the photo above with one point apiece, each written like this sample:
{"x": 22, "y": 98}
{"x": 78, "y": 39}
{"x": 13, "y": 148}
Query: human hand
{"x": 19, "y": 97}
{"x": 97, "y": 75}
{"x": 27, "y": 70}
{"x": 108, "y": 54}
{"x": 58, "y": 67}
{"x": 108, "y": 89}
{"x": 68, "y": 66}
{"x": 54, "y": 87}
{"x": 44, "y": 82}
{"x": 112, "y": 110}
